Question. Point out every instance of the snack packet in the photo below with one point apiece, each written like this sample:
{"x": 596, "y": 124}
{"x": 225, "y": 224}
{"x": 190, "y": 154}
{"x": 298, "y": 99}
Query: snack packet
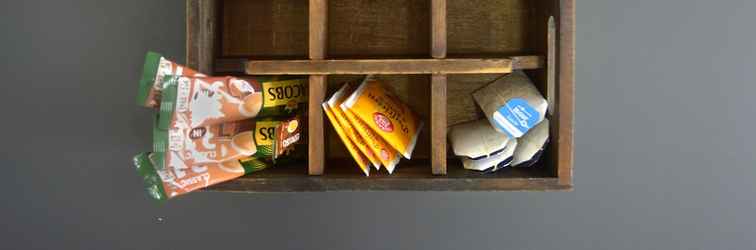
{"x": 356, "y": 138}
{"x": 385, "y": 114}
{"x": 191, "y": 102}
{"x": 155, "y": 68}
{"x": 251, "y": 138}
{"x": 358, "y": 157}
{"x": 202, "y": 145}
{"x": 387, "y": 155}
{"x": 166, "y": 182}
{"x": 288, "y": 133}
{"x": 512, "y": 104}
{"x": 282, "y": 96}
{"x": 531, "y": 145}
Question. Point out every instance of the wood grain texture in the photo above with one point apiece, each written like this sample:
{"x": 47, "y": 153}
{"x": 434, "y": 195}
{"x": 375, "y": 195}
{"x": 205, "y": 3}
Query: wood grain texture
{"x": 343, "y": 175}
{"x": 317, "y": 43}
{"x": 566, "y": 91}
{"x": 551, "y": 66}
{"x": 390, "y": 66}
{"x": 318, "y": 29}
{"x": 438, "y": 124}
{"x": 316, "y": 148}
{"x": 438, "y": 28}
{"x": 378, "y": 29}
{"x": 490, "y": 27}
{"x": 268, "y": 29}
{"x": 200, "y": 34}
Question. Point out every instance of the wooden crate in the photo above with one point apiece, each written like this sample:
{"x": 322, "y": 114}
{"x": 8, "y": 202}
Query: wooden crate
{"x": 406, "y": 42}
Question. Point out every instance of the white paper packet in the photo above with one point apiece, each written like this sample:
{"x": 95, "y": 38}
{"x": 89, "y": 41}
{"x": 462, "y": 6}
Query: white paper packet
{"x": 476, "y": 139}
{"x": 512, "y": 104}
{"x": 531, "y": 145}
{"x": 493, "y": 162}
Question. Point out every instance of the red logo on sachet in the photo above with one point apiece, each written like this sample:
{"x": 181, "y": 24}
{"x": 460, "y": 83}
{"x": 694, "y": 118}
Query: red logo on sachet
{"x": 383, "y": 122}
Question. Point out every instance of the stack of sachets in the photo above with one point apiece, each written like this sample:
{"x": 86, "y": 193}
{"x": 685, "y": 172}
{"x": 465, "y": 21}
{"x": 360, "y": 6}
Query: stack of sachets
{"x": 212, "y": 129}
{"x": 515, "y": 131}
{"x": 376, "y": 127}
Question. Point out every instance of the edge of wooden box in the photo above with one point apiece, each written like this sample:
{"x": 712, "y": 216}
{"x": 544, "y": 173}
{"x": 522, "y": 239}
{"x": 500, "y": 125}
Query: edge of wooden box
{"x": 200, "y": 29}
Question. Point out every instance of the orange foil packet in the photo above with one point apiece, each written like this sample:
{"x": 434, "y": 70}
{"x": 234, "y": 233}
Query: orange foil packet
{"x": 358, "y": 157}
{"x": 201, "y": 101}
{"x": 156, "y": 67}
{"x": 206, "y": 144}
{"x": 333, "y": 104}
{"x": 163, "y": 183}
{"x": 386, "y": 114}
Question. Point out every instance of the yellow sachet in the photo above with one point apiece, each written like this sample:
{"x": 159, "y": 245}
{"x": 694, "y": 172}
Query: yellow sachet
{"x": 385, "y": 114}
{"x": 362, "y": 162}
{"x": 386, "y": 154}
{"x": 333, "y": 103}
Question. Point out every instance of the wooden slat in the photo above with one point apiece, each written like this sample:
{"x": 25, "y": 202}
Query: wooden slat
{"x": 438, "y": 28}
{"x": 438, "y": 89}
{"x": 391, "y": 66}
{"x": 318, "y": 28}
{"x": 316, "y": 136}
{"x": 566, "y": 91}
{"x": 343, "y": 175}
{"x": 200, "y": 34}
{"x": 355, "y": 183}
{"x": 318, "y": 43}
{"x": 551, "y": 65}
{"x": 438, "y": 124}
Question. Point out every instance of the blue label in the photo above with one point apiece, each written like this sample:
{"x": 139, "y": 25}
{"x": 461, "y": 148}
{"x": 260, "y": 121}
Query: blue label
{"x": 516, "y": 117}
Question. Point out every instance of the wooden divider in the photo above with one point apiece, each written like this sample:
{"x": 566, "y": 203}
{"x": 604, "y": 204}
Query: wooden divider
{"x": 318, "y": 84}
{"x": 438, "y": 89}
{"x": 382, "y": 66}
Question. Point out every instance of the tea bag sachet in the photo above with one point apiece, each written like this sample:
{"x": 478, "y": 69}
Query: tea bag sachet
{"x": 531, "y": 145}
{"x": 350, "y": 130}
{"x": 383, "y": 112}
{"x": 494, "y": 162}
{"x": 479, "y": 145}
{"x": 358, "y": 157}
{"x": 384, "y": 153}
{"x": 512, "y": 104}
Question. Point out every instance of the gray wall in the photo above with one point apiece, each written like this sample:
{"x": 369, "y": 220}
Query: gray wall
{"x": 664, "y": 144}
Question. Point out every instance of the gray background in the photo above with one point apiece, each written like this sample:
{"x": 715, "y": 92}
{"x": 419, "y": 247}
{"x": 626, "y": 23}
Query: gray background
{"x": 664, "y": 144}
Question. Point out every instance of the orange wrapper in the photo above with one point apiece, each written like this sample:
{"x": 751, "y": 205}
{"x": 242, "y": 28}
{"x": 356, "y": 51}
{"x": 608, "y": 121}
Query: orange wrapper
{"x": 176, "y": 179}
{"x": 201, "y": 101}
{"x": 156, "y": 67}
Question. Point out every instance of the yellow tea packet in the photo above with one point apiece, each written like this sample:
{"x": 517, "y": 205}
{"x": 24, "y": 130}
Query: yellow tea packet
{"x": 362, "y": 162}
{"x": 333, "y": 104}
{"x": 385, "y": 153}
{"x": 385, "y": 114}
